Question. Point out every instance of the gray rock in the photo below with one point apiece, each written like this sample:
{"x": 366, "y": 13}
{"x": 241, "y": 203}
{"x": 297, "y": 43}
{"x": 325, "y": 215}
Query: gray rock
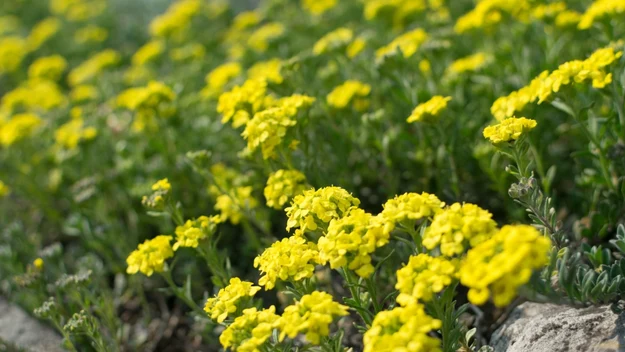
{"x": 26, "y": 332}
{"x": 534, "y": 327}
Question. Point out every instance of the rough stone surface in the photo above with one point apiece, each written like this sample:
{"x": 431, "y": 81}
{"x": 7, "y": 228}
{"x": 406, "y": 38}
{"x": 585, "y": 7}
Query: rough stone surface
{"x": 26, "y": 332}
{"x": 552, "y": 328}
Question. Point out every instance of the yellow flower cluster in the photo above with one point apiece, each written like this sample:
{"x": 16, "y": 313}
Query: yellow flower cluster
{"x": 501, "y": 264}
{"x": 157, "y": 199}
{"x": 408, "y": 43}
{"x": 228, "y": 298}
{"x": 70, "y": 134}
{"x": 42, "y": 32}
{"x": 490, "y": 12}
{"x": 148, "y": 102}
{"x": 242, "y": 102}
{"x": 402, "y": 11}
{"x": 292, "y": 258}
{"x": 459, "y": 227}
{"x": 411, "y": 206}
{"x": 338, "y": 38}
{"x": 48, "y": 67}
{"x": 268, "y": 128}
{"x": 263, "y": 36}
{"x": 193, "y": 231}
{"x": 599, "y": 9}
{"x": 348, "y": 92}
{"x": 148, "y": 52}
{"x": 268, "y": 71}
{"x": 249, "y": 331}
{"x": 318, "y": 7}
{"x": 350, "y": 241}
{"x": 176, "y": 19}
{"x": 20, "y": 126}
{"x": 33, "y": 95}
{"x": 83, "y": 93}
{"x": 4, "y": 190}
{"x": 423, "y": 277}
{"x": 466, "y": 64}
{"x": 188, "y": 52}
{"x": 402, "y": 329}
{"x": 150, "y": 256}
{"x": 77, "y": 10}
{"x": 91, "y": 34}
{"x": 93, "y": 66}
{"x": 426, "y": 112}
{"x": 315, "y": 208}
{"x": 232, "y": 205}
{"x": 542, "y": 87}
{"x": 509, "y": 129}
{"x": 311, "y": 315}
{"x": 282, "y": 185}
{"x": 219, "y": 77}
{"x": 13, "y": 49}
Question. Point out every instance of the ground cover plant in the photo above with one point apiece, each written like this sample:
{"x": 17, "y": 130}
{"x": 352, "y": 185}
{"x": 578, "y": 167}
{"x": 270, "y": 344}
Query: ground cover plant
{"x": 314, "y": 175}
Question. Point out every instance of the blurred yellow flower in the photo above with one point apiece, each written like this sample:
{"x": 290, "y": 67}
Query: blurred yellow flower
{"x": 150, "y": 256}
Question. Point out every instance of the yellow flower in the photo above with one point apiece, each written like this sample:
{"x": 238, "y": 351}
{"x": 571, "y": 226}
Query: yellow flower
{"x": 218, "y": 78}
{"x": 601, "y": 8}
{"x": 148, "y": 52}
{"x": 175, "y": 21}
{"x": 466, "y": 64}
{"x": 268, "y": 128}
{"x": 93, "y": 66}
{"x": 509, "y": 129}
{"x": 20, "y": 126}
{"x": 150, "y": 101}
{"x": 4, "y": 189}
{"x": 12, "y": 52}
{"x": 187, "y": 52}
{"x": 282, "y": 185}
{"x": 348, "y": 92}
{"x": 316, "y": 208}
{"x": 311, "y": 315}
{"x": 77, "y": 10}
{"x": 73, "y": 132}
{"x": 542, "y": 11}
{"x": 408, "y": 43}
{"x": 249, "y": 331}
{"x": 231, "y": 206}
{"x": 38, "y": 263}
{"x": 350, "y": 241}
{"x": 423, "y": 277}
{"x": 268, "y": 71}
{"x": 568, "y": 18}
{"x": 425, "y": 67}
{"x": 501, "y": 264}
{"x": 290, "y": 259}
{"x": 245, "y": 20}
{"x": 459, "y": 227}
{"x": 547, "y": 83}
{"x": 263, "y": 36}
{"x": 356, "y": 47}
{"x": 162, "y": 185}
{"x": 402, "y": 329}
{"x": 411, "y": 206}
{"x": 242, "y": 102}
{"x": 48, "y": 67}
{"x": 318, "y": 7}
{"x": 490, "y": 12}
{"x": 193, "y": 231}
{"x": 336, "y": 39}
{"x": 33, "y": 95}
{"x": 43, "y": 31}
{"x": 426, "y": 112}
{"x": 150, "y": 256}
{"x": 83, "y": 93}
{"x": 227, "y": 300}
{"x": 91, "y": 34}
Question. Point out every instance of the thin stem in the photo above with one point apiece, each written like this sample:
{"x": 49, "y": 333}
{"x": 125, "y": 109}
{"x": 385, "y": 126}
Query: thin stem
{"x": 455, "y": 181}
{"x": 180, "y": 294}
